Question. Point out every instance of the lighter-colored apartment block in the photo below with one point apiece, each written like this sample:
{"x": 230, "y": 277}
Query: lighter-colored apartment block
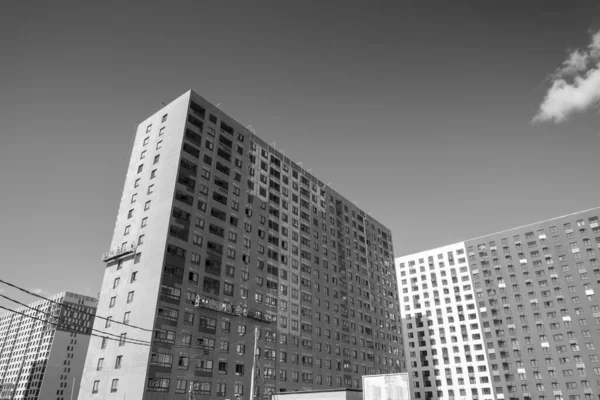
{"x": 43, "y": 347}
{"x": 512, "y": 315}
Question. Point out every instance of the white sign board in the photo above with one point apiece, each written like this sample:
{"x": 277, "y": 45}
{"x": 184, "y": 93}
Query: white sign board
{"x": 386, "y": 387}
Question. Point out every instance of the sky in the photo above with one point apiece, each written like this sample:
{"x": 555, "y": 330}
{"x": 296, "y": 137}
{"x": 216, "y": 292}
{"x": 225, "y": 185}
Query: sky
{"x": 443, "y": 120}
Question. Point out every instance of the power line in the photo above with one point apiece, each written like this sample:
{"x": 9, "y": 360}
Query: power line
{"x": 73, "y": 308}
{"x": 118, "y": 338}
{"x": 70, "y": 330}
{"x": 54, "y": 316}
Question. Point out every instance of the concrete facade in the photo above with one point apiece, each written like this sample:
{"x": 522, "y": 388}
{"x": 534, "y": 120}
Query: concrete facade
{"x": 511, "y": 315}
{"x": 218, "y": 233}
{"x": 43, "y": 358}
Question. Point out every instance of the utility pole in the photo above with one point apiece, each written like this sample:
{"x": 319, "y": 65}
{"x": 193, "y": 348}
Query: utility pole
{"x": 190, "y": 392}
{"x": 253, "y": 363}
{"x": 73, "y": 388}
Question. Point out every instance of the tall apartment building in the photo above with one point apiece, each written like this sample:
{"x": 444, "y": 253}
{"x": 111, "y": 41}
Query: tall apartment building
{"x": 43, "y": 347}
{"x": 511, "y": 315}
{"x": 217, "y": 234}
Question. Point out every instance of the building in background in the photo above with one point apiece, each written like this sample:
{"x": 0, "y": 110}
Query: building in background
{"x": 511, "y": 315}
{"x": 43, "y": 347}
{"x": 217, "y": 234}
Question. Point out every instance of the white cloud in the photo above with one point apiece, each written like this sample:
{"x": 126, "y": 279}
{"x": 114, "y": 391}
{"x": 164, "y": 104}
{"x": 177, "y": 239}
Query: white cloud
{"x": 575, "y": 85}
{"x": 576, "y": 62}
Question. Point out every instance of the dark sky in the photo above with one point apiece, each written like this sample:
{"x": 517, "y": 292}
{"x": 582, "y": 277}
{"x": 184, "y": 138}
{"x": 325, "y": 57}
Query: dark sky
{"x": 418, "y": 111}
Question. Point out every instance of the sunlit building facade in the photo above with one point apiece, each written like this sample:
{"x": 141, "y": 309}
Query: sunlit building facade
{"x": 511, "y": 315}
{"x": 43, "y": 347}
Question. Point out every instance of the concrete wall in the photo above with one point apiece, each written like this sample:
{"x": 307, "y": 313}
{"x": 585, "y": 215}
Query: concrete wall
{"x": 316, "y": 395}
{"x": 132, "y": 375}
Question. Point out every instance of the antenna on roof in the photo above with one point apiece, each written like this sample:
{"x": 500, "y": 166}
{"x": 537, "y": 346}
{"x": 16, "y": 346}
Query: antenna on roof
{"x": 163, "y": 103}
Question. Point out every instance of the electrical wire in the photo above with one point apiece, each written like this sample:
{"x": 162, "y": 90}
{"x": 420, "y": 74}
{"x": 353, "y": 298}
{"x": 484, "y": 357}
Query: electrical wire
{"x": 71, "y": 307}
{"x": 70, "y": 330}
{"x": 119, "y": 339}
{"x": 54, "y": 316}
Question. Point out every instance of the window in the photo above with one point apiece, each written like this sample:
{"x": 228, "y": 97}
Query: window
{"x": 116, "y": 282}
{"x": 122, "y": 339}
{"x": 159, "y": 145}
{"x": 153, "y": 174}
{"x": 150, "y": 189}
{"x": 147, "y": 206}
{"x": 118, "y": 362}
{"x": 111, "y": 304}
{"x": 144, "y": 222}
{"x": 95, "y": 387}
{"x": 143, "y": 155}
{"x": 100, "y": 364}
{"x": 164, "y": 118}
{"x": 126, "y": 317}
{"x": 133, "y": 276}
{"x": 114, "y": 385}
{"x": 130, "y": 297}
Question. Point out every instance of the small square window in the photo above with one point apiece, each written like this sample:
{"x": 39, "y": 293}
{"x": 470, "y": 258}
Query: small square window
{"x": 130, "y": 214}
{"x": 130, "y": 297}
{"x": 133, "y": 197}
{"x": 164, "y": 117}
{"x": 143, "y": 155}
{"x": 144, "y": 222}
{"x": 127, "y": 228}
{"x": 159, "y": 145}
{"x": 140, "y": 168}
{"x": 146, "y": 141}
{"x": 162, "y": 131}
{"x": 156, "y": 158}
{"x": 147, "y": 205}
{"x": 153, "y": 174}
{"x": 134, "y": 276}
{"x": 150, "y": 189}
{"x": 148, "y": 128}
{"x": 116, "y": 282}
{"x": 137, "y": 183}
{"x": 140, "y": 240}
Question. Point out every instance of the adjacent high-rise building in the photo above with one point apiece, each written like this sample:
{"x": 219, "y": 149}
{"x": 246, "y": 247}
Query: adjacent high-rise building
{"x": 43, "y": 347}
{"x": 219, "y": 236}
{"x": 511, "y": 315}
